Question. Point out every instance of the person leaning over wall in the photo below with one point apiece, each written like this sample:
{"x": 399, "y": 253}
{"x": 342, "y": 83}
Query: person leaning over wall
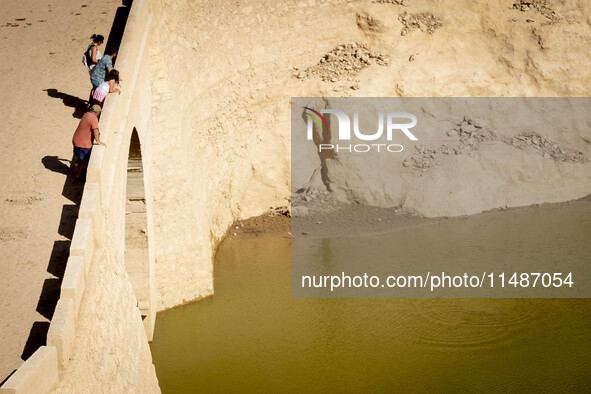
{"x": 86, "y": 131}
{"x": 101, "y": 70}
{"x": 110, "y": 85}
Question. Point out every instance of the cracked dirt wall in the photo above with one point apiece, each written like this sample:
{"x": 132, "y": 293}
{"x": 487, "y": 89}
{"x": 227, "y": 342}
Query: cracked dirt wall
{"x": 223, "y": 74}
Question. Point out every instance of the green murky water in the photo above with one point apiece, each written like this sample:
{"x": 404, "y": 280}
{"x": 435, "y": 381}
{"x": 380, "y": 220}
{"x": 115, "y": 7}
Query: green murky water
{"x": 251, "y": 336}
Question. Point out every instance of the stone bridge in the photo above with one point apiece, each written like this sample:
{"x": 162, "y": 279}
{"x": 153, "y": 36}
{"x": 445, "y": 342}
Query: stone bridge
{"x": 154, "y": 197}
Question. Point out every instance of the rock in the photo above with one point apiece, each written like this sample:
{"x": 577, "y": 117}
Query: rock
{"x": 344, "y": 62}
{"x": 299, "y": 211}
{"x": 405, "y": 3}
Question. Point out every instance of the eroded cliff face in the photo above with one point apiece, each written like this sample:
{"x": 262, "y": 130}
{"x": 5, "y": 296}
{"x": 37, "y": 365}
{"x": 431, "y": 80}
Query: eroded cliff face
{"x": 221, "y": 126}
{"x": 223, "y": 74}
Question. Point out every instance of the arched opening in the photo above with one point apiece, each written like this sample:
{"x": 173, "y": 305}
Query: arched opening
{"x": 137, "y": 256}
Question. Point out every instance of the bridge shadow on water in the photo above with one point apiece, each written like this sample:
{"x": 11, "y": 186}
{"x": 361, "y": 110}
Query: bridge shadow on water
{"x": 72, "y": 190}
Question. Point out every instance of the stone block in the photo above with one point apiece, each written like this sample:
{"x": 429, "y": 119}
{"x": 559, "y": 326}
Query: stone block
{"x": 90, "y": 204}
{"x": 74, "y": 281}
{"x": 61, "y": 330}
{"x": 39, "y": 374}
{"x": 83, "y": 242}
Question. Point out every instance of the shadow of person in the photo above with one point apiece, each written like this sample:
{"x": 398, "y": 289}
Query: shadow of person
{"x": 80, "y": 106}
{"x": 71, "y": 190}
{"x": 56, "y": 164}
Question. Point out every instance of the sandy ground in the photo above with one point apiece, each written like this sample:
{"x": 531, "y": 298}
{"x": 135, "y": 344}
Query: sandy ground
{"x": 42, "y": 85}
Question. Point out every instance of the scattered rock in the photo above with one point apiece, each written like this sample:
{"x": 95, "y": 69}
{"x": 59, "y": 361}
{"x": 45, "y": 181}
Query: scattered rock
{"x": 343, "y": 62}
{"x": 278, "y": 211}
{"x": 541, "y": 6}
{"x": 424, "y": 21}
{"x": 422, "y": 158}
{"x": 532, "y": 141}
{"x": 404, "y": 3}
{"x": 470, "y": 133}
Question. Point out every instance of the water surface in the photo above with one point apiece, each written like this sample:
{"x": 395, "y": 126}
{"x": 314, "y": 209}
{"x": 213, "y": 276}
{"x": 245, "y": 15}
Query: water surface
{"x": 251, "y": 336}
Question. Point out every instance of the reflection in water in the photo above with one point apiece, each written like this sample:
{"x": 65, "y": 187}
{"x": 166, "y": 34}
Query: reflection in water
{"x": 252, "y": 336}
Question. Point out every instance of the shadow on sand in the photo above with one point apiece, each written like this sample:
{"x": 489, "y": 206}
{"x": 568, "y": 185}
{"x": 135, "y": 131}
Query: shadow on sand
{"x": 80, "y": 106}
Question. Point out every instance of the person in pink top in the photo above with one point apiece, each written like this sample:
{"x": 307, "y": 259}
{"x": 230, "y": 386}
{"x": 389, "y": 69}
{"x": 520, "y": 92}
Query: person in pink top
{"x": 86, "y": 131}
{"x": 111, "y": 85}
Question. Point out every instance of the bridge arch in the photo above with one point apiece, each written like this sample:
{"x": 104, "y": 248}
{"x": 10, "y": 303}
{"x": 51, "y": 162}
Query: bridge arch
{"x": 139, "y": 248}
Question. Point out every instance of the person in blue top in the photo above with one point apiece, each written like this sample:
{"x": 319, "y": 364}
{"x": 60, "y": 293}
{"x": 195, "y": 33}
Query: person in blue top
{"x": 101, "y": 69}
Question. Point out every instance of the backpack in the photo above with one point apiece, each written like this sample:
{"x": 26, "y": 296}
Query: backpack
{"x": 86, "y": 57}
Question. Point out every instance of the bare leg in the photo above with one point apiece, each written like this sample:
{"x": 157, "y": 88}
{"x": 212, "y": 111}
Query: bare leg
{"x": 90, "y": 97}
{"x": 76, "y": 166}
{"x": 82, "y": 167}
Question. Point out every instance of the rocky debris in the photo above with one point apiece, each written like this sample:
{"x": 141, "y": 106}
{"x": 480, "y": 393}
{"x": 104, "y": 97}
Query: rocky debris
{"x": 541, "y": 6}
{"x": 548, "y": 149}
{"x": 405, "y": 3}
{"x": 310, "y": 196}
{"x": 313, "y": 202}
{"x": 421, "y": 159}
{"x": 471, "y": 133}
{"x": 278, "y": 211}
{"x": 424, "y": 21}
{"x": 343, "y": 63}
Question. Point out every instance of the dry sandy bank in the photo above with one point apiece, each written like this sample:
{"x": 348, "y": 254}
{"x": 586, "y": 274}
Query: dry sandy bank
{"x": 42, "y": 85}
